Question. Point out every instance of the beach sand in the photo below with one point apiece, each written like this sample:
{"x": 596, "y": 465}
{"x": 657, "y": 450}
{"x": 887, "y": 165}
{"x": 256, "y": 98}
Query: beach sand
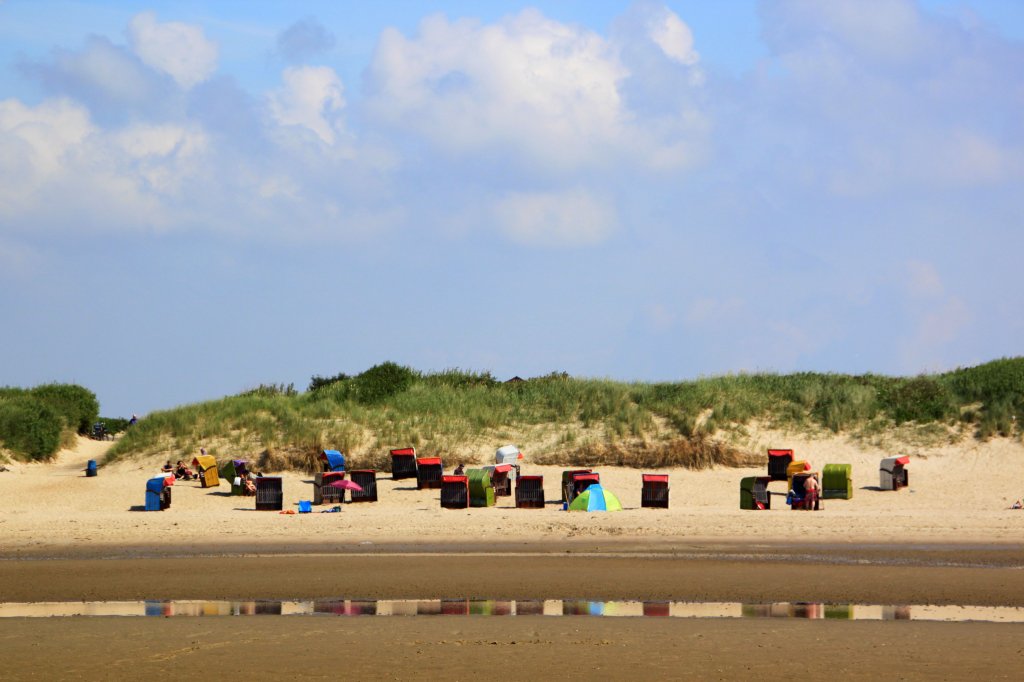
{"x": 949, "y": 539}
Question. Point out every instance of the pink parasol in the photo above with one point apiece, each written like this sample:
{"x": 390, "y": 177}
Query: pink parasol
{"x": 345, "y": 484}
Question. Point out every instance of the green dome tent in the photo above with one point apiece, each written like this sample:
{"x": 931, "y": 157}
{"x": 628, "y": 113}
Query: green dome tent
{"x": 596, "y": 498}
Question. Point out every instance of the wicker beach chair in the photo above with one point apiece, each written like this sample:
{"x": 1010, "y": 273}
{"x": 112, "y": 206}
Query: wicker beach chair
{"x": 654, "y": 491}
{"x": 403, "y": 463}
{"x": 754, "y": 493}
{"x": 580, "y": 482}
{"x": 269, "y": 493}
{"x": 235, "y": 470}
{"x": 837, "y": 482}
{"x": 892, "y": 473}
{"x": 367, "y": 480}
{"x": 501, "y": 478}
{"x": 323, "y": 491}
{"x": 567, "y": 487}
{"x": 802, "y": 498}
{"x": 778, "y": 460}
{"x": 158, "y": 493}
{"x": 206, "y": 468}
{"x": 332, "y": 460}
{"x": 455, "y": 492}
{"x": 429, "y": 471}
{"x": 530, "y": 492}
{"x": 481, "y": 492}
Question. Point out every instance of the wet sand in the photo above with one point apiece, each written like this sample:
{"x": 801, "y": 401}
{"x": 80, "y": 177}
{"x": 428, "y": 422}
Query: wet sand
{"x": 872, "y": 575}
{"x": 521, "y": 647}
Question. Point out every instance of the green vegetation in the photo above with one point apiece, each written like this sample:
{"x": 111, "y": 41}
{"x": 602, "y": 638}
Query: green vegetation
{"x": 34, "y": 423}
{"x": 458, "y": 413}
{"x": 115, "y": 425}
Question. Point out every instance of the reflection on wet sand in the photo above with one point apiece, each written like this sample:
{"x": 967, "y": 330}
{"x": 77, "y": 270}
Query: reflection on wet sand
{"x": 528, "y": 607}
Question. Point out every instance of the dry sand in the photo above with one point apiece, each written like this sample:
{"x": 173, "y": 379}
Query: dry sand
{"x": 957, "y": 495}
{"x": 949, "y": 539}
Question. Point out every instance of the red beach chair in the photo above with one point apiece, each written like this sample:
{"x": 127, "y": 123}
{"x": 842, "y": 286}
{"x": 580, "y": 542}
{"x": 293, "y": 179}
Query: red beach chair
{"x": 403, "y": 463}
{"x": 654, "y": 492}
{"x": 455, "y": 492}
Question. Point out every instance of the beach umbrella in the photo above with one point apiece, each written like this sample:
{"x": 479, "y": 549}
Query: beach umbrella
{"x": 596, "y": 498}
{"x": 345, "y": 484}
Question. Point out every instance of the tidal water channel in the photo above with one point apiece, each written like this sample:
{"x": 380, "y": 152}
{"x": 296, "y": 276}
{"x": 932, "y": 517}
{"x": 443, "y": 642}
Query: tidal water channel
{"x": 493, "y": 607}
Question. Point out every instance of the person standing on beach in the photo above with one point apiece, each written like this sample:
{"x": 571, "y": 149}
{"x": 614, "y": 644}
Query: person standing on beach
{"x": 810, "y": 491}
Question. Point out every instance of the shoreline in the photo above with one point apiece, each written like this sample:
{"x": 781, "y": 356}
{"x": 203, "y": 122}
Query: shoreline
{"x": 867, "y": 577}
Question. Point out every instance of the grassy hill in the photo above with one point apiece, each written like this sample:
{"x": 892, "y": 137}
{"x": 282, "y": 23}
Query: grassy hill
{"x": 563, "y": 420}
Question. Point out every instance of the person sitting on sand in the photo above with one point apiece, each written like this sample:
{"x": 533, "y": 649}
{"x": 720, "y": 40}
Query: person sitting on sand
{"x": 248, "y": 485}
{"x": 1017, "y": 505}
{"x": 167, "y": 468}
{"x": 460, "y": 470}
{"x": 183, "y": 472}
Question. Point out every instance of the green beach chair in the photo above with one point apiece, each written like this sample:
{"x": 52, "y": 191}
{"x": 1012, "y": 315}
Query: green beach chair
{"x": 481, "y": 492}
{"x": 837, "y": 482}
{"x": 754, "y": 493}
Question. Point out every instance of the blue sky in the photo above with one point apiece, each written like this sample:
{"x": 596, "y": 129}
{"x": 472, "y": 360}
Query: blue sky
{"x": 196, "y": 198}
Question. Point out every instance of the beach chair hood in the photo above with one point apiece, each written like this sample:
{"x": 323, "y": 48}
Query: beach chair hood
{"x": 508, "y": 454}
{"x": 334, "y": 459}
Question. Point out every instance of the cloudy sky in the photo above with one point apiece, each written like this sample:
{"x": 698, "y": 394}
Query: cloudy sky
{"x": 196, "y": 198}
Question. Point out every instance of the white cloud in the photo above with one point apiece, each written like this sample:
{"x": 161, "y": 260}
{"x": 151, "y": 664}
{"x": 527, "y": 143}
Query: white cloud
{"x": 36, "y": 146}
{"x": 673, "y": 36}
{"x": 546, "y": 96}
{"x": 48, "y": 131}
{"x": 572, "y": 217}
{"x": 179, "y": 50}
{"x": 312, "y": 98}
{"x": 529, "y": 84}
{"x": 162, "y": 156}
{"x": 59, "y": 170}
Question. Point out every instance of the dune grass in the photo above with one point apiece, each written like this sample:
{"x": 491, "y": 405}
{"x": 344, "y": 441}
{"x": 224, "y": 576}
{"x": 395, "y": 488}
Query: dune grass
{"x": 459, "y": 413}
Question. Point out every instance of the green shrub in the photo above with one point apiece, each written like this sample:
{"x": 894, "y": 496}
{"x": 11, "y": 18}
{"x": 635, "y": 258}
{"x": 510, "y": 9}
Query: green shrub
{"x": 317, "y": 382}
{"x": 922, "y": 399}
{"x": 29, "y": 426}
{"x": 76, "y": 405}
{"x": 114, "y": 424}
{"x": 383, "y": 381}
